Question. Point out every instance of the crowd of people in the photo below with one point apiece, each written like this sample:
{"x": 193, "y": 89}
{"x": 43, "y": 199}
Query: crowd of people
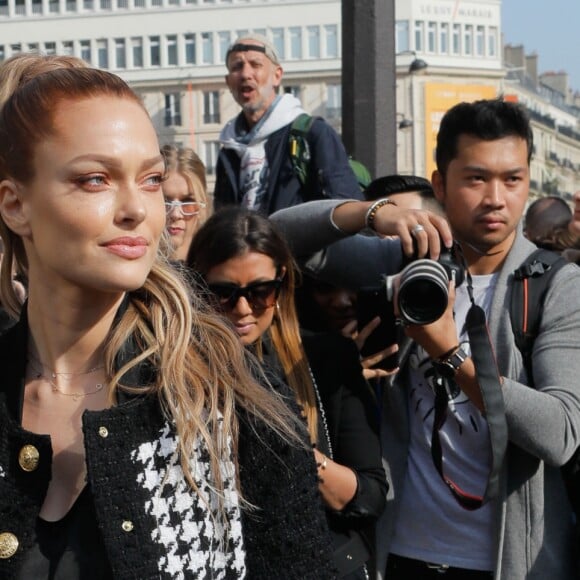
{"x": 189, "y": 390}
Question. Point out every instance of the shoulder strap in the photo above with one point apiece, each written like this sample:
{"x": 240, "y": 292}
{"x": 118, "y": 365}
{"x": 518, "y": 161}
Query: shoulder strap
{"x": 298, "y": 146}
{"x": 531, "y": 282}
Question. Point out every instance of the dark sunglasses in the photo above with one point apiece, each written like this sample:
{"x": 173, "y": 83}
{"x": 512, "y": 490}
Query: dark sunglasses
{"x": 260, "y": 295}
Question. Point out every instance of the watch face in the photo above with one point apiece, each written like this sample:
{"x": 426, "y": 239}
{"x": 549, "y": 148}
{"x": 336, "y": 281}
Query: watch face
{"x": 444, "y": 369}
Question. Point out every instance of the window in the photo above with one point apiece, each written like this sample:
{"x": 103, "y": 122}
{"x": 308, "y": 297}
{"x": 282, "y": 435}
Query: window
{"x": 4, "y": 7}
{"x": 468, "y": 40}
{"x": 137, "y": 51}
{"x": 207, "y": 48}
{"x": 122, "y": 4}
{"x": 431, "y": 36}
{"x": 402, "y": 35}
{"x": 17, "y": 48}
{"x": 102, "y": 54}
{"x": 154, "y": 51}
{"x": 2, "y": 53}
{"x": 444, "y": 38}
{"x": 53, "y": 6}
{"x": 333, "y": 101}
{"x": 211, "y": 151}
{"x": 190, "y": 48}
{"x": 71, "y": 6}
{"x": 295, "y": 33}
{"x": 313, "y": 41}
{"x": 456, "y": 45}
{"x": 211, "y": 107}
{"x": 172, "y": 50}
{"x": 224, "y": 39}
{"x": 293, "y": 90}
{"x": 480, "y": 41}
{"x": 172, "y": 109}
{"x": 49, "y": 48}
{"x": 19, "y": 7}
{"x": 331, "y": 40}
{"x": 36, "y": 6}
{"x": 67, "y": 48}
{"x": 33, "y": 47}
{"x": 88, "y": 5}
{"x": 492, "y": 41}
{"x": 105, "y": 4}
{"x": 278, "y": 41}
{"x": 120, "y": 56}
{"x": 419, "y": 29}
{"x": 86, "y": 50}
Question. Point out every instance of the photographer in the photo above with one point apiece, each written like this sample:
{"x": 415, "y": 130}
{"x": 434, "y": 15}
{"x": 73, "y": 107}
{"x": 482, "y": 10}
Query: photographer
{"x": 525, "y": 529}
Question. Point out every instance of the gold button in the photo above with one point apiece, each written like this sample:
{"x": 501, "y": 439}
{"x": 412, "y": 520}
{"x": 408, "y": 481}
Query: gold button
{"x": 103, "y": 432}
{"x": 28, "y": 458}
{"x": 127, "y": 526}
{"x": 8, "y": 545}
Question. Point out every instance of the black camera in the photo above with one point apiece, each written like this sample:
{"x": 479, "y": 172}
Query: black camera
{"x": 423, "y": 290}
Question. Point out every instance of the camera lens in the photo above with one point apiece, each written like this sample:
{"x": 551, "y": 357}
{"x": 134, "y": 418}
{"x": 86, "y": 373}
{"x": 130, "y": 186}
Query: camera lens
{"x": 423, "y": 294}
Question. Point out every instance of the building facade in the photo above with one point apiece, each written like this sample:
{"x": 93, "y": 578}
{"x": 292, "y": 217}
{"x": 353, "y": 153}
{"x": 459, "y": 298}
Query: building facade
{"x": 172, "y": 52}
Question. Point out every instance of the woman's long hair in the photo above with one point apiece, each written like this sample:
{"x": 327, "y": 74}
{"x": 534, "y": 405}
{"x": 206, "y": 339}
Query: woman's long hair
{"x": 233, "y": 232}
{"x": 201, "y": 368}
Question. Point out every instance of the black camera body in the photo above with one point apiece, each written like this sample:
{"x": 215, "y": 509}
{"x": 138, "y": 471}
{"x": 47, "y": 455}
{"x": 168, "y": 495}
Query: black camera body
{"x": 423, "y": 292}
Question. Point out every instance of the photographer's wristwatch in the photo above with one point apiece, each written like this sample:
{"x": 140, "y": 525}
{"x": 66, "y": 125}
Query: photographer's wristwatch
{"x": 448, "y": 365}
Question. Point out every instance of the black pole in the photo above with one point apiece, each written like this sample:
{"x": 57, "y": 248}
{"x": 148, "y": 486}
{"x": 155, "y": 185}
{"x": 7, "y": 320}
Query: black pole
{"x": 368, "y": 84}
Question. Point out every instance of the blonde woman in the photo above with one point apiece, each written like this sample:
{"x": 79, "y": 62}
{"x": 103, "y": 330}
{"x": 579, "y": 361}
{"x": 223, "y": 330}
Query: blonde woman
{"x": 134, "y": 442}
{"x": 185, "y": 193}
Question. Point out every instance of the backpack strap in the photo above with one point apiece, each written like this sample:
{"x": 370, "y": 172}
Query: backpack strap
{"x": 299, "y": 148}
{"x": 531, "y": 282}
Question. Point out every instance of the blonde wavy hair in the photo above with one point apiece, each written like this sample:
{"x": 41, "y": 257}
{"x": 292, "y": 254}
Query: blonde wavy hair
{"x": 201, "y": 371}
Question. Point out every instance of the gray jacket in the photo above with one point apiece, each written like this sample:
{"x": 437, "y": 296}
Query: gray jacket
{"x": 534, "y": 528}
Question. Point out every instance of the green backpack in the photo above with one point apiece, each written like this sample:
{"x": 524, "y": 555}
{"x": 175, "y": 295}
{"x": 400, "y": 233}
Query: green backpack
{"x": 300, "y": 153}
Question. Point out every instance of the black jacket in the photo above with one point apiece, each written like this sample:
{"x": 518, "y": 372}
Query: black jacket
{"x": 352, "y": 421}
{"x": 330, "y": 175}
{"x": 285, "y": 537}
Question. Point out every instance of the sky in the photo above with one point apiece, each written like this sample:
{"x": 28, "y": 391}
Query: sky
{"x": 550, "y": 28}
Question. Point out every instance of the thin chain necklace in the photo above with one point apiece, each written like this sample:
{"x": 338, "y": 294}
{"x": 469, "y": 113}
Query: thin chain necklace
{"x": 76, "y": 395}
{"x": 39, "y": 368}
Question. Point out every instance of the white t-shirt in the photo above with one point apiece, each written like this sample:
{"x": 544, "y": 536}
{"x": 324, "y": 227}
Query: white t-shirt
{"x": 431, "y": 525}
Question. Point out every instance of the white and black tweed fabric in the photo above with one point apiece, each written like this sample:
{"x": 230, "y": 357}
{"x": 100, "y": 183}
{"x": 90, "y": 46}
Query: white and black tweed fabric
{"x": 194, "y": 539}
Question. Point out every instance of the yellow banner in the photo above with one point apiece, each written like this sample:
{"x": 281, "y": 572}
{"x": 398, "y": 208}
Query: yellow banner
{"x": 439, "y": 98}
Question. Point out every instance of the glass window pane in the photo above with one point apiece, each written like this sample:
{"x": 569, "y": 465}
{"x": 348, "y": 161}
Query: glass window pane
{"x": 190, "y": 48}
{"x": 278, "y": 41}
{"x": 120, "y": 56}
{"x": 207, "y": 48}
{"x": 172, "y": 50}
{"x": 313, "y": 41}
{"x": 137, "y": 51}
{"x": 154, "y": 50}
{"x": 331, "y": 40}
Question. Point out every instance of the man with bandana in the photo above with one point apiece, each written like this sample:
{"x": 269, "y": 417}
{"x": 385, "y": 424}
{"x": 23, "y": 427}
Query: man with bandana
{"x": 254, "y": 167}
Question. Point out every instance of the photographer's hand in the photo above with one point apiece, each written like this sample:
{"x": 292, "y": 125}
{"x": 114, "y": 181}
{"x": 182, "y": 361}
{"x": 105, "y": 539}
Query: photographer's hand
{"x": 390, "y": 220}
{"x": 427, "y": 228}
{"x": 440, "y": 337}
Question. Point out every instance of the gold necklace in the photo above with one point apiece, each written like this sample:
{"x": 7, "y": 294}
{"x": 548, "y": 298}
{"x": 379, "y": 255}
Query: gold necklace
{"x": 76, "y": 395}
{"x": 39, "y": 370}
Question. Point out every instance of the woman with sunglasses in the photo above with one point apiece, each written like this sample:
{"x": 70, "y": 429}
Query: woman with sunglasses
{"x": 250, "y": 276}
{"x": 185, "y": 193}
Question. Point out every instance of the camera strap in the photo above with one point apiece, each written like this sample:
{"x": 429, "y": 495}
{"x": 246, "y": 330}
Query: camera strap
{"x": 489, "y": 382}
